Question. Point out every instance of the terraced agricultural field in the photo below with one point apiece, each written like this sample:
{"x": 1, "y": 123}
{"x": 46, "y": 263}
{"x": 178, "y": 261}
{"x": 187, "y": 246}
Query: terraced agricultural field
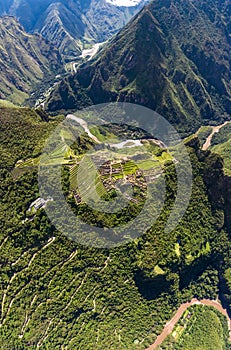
{"x": 73, "y": 177}
{"x": 147, "y": 164}
{"x": 129, "y": 168}
{"x": 89, "y": 180}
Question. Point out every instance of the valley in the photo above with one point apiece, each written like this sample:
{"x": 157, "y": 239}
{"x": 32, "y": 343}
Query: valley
{"x": 27, "y": 62}
{"x": 72, "y": 26}
{"x": 71, "y": 31}
{"x": 115, "y": 232}
{"x": 152, "y": 63}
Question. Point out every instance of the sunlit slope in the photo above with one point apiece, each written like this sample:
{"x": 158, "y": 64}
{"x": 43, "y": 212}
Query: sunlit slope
{"x": 57, "y": 293}
{"x": 26, "y": 61}
{"x": 173, "y": 57}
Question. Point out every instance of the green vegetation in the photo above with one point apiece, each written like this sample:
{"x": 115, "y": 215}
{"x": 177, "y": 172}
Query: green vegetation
{"x": 200, "y": 328}
{"x": 221, "y": 144}
{"x": 88, "y": 22}
{"x": 7, "y": 104}
{"x": 103, "y": 135}
{"x": 153, "y": 63}
{"x": 27, "y": 62}
{"x": 56, "y": 293}
{"x": 203, "y": 133}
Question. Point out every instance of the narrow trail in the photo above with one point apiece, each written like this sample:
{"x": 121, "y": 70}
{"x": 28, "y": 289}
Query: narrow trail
{"x": 39, "y": 344}
{"x": 51, "y": 322}
{"x": 24, "y": 326}
{"x": 54, "y": 323}
{"x": 3, "y": 315}
{"x": 215, "y": 129}
{"x": 27, "y": 319}
{"x": 61, "y": 265}
{"x": 27, "y": 316}
{"x": 171, "y": 324}
{"x": 4, "y": 241}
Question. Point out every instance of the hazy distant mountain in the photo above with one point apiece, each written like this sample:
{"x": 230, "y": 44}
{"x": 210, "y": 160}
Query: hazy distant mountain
{"x": 72, "y": 24}
{"x": 173, "y": 57}
{"x": 26, "y": 61}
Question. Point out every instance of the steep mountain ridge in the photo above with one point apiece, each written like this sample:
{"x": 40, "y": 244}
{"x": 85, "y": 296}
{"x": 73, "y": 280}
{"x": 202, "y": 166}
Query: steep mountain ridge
{"x": 71, "y": 25}
{"x": 57, "y": 294}
{"x": 52, "y": 287}
{"x": 174, "y": 57}
{"x": 26, "y": 61}
{"x": 50, "y": 25}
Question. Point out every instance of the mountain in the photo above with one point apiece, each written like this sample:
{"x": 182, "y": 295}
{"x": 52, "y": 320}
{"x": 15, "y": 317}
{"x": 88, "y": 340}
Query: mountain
{"x": 173, "y": 57}
{"x": 57, "y": 293}
{"x": 72, "y": 25}
{"x": 221, "y": 144}
{"x": 26, "y": 61}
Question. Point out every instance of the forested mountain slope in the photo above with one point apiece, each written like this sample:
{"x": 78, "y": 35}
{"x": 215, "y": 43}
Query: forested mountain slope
{"x": 173, "y": 57}
{"x": 56, "y": 293}
{"x": 26, "y": 61}
{"x": 71, "y": 25}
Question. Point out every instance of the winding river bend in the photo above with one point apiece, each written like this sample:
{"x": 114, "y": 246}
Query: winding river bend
{"x": 127, "y": 143}
{"x": 171, "y": 324}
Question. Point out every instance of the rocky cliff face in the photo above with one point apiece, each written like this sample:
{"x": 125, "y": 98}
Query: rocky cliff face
{"x": 173, "y": 57}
